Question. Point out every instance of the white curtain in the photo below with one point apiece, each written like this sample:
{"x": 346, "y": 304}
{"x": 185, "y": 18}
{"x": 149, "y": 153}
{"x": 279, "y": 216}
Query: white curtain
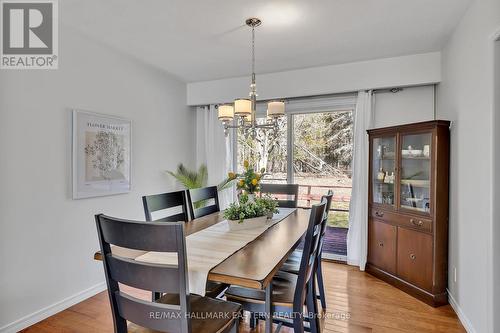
{"x": 357, "y": 236}
{"x": 214, "y": 150}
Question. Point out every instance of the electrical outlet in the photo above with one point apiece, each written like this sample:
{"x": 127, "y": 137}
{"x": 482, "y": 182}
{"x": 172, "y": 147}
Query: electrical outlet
{"x": 454, "y": 274}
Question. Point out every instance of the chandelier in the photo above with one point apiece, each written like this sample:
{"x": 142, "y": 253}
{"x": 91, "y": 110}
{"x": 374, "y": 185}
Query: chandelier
{"x": 242, "y": 113}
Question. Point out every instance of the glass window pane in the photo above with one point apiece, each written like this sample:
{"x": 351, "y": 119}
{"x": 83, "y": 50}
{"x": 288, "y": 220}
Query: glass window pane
{"x": 416, "y": 172}
{"x": 322, "y": 160}
{"x": 383, "y": 170}
{"x": 265, "y": 151}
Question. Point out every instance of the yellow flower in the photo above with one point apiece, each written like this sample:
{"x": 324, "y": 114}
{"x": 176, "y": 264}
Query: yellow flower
{"x": 258, "y": 177}
{"x": 254, "y": 181}
{"x": 231, "y": 175}
{"x": 241, "y": 182}
{"x": 246, "y": 164}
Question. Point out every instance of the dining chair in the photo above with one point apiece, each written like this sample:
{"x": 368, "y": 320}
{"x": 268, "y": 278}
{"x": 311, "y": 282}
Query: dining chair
{"x": 203, "y": 201}
{"x": 174, "y": 202}
{"x": 169, "y": 201}
{"x": 282, "y": 189}
{"x": 176, "y": 311}
{"x": 290, "y": 291}
{"x": 292, "y": 265}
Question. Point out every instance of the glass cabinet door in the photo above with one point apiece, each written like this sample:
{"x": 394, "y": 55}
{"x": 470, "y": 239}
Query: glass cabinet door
{"x": 383, "y": 170}
{"x": 416, "y": 172}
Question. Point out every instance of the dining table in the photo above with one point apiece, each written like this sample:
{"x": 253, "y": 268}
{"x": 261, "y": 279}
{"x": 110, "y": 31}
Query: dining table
{"x": 253, "y": 265}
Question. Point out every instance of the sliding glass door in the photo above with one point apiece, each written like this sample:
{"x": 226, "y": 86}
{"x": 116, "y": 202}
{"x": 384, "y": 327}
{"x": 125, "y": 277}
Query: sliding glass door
{"x": 314, "y": 150}
{"x": 322, "y": 156}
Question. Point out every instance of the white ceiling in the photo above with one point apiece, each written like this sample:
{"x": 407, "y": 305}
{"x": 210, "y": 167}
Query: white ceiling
{"x": 207, "y": 39}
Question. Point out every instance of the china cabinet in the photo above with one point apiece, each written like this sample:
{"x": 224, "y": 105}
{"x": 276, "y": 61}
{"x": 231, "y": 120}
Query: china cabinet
{"x": 408, "y": 208}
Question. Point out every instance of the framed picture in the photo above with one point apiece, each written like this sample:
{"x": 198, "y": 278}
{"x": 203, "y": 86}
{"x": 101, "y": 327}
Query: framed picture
{"x": 101, "y": 155}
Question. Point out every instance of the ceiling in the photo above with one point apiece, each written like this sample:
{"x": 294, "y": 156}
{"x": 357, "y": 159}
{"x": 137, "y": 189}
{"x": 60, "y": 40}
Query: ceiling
{"x": 207, "y": 39}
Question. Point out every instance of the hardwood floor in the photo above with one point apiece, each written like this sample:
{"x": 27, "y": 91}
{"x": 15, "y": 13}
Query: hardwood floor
{"x": 369, "y": 304}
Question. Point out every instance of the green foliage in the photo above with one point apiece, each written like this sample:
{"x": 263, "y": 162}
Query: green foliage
{"x": 268, "y": 203}
{"x": 245, "y": 209}
{"x": 189, "y": 178}
{"x": 325, "y": 136}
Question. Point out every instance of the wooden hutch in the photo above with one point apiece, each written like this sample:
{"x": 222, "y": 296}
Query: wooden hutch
{"x": 408, "y": 208}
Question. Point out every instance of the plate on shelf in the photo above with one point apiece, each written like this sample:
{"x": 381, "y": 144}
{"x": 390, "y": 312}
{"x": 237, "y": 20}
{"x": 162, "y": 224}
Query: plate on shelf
{"x": 415, "y": 200}
{"x": 412, "y": 153}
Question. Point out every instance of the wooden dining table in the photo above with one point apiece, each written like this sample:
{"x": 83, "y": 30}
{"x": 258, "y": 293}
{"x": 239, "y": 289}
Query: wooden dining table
{"x": 255, "y": 264}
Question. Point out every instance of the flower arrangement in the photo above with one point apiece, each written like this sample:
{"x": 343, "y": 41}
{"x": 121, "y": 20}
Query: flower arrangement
{"x": 248, "y": 181}
{"x": 245, "y": 209}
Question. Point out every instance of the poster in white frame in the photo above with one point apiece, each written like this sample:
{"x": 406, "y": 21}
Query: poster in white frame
{"x": 101, "y": 154}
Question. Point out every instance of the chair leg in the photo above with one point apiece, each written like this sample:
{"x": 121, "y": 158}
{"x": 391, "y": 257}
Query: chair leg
{"x": 321, "y": 287}
{"x": 312, "y": 307}
{"x": 298, "y": 324}
{"x": 155, "y": 295}
{"x": 236, "y": 325}
{"x": 253, "y": 320}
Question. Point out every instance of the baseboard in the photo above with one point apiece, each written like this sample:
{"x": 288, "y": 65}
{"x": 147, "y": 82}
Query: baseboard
{"x": 51, "y": 310}
{"x": 461, "y": 316}
{"x": 334, "y": 257}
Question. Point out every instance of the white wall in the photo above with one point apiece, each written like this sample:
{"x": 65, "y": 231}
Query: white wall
{"x": 410, "y": 105}
{"x": 47, "y": 240}
{"x": 419, "y": 69}
{"x": 465, "y": 96}
{"x": 496, "y": 188}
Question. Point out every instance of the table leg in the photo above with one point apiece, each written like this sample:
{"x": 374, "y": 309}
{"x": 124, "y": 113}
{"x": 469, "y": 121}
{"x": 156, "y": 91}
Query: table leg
{"x": 269, "y": 308}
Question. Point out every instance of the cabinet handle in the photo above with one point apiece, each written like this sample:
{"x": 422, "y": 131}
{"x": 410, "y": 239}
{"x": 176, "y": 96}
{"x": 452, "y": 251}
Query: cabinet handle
{"x": 418, "y": 224}
{"x": 413, "y": 256}
{"x": 379, "y": 214}
{"x": 381, "y": 244}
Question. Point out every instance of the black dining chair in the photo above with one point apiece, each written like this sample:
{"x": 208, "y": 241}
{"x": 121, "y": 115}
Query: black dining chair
{"x": 290, "y": 190}
{"x": 175, "y": 201}
{"x": 176, "y": 311}
{"x": 203, "y": 201}
{"x": 292, "y": 265}
{"x": 290, "y": 291}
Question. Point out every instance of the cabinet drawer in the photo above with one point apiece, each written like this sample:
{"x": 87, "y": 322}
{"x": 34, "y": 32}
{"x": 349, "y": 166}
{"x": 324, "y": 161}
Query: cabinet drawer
{"x": 415, "y": 223}
{"x": 382, "y": 245}
{"x": 383, "y": 215}
{"x": 415, "y": 258}
{"x": 403, "y": 220}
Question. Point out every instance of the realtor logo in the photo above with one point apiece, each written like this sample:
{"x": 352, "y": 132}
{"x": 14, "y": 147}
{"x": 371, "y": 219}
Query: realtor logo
{"x": 29, "y": 34}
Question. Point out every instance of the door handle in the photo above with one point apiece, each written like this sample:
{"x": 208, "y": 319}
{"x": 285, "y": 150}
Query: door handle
{"x": 381, "y": 244}
{"x": 413, "y": 256}
{"x": 415, "y": 223}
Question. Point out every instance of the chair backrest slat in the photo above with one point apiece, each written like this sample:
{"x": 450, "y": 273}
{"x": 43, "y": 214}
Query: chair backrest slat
{"x": 146, "y": 276}
{"x": 282, "y": 189}
{"x": 172, "y": 279}
{"x": 149, "y": 314}
{"x": 328, "y": 197}
{"x": 309, "y": 253}
{"x": 140, "y": 236}
{"x": 158, "y": 202}
{"x": 200, "y": 196}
